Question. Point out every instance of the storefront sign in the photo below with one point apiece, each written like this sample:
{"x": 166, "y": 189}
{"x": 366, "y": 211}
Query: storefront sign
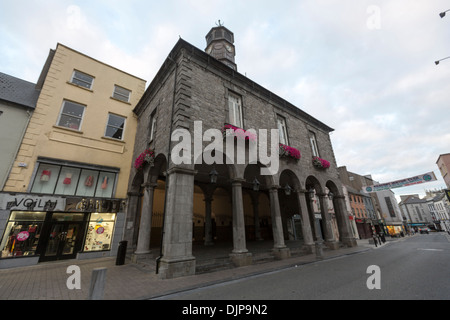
{"x": 92, "y": 205}
{"x": 423, "y": 178}
{"x": 30, "y": 202}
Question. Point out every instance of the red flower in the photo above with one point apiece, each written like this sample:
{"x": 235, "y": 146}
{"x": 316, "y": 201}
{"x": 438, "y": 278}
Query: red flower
{"x": 289, "y": 152}
{"x": 148, "y": 156}
{"x": 320, "y": 163}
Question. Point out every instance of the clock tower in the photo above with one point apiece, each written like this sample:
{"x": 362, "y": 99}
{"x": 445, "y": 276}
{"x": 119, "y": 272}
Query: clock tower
{"x": 220, "y": 45}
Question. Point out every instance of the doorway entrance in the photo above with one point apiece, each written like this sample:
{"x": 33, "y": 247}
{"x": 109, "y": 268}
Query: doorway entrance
{"x": 64, "y": 237}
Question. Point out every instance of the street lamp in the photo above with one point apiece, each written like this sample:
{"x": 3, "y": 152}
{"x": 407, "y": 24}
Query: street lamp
{"x": 437, "y": 62}
{"x": 330, "y": 195}
{"x": 256, "y": 185}
{"x": 213, "y": 175}
{"x": 442, "y": 14}
{"x": 287, "y": 189}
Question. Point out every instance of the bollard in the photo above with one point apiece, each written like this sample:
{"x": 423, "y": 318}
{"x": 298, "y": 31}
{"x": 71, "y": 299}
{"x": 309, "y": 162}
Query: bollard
{"x": 97, "y": 287}
{"x": 319, "y": 250}
{"x": 121, "y": 252}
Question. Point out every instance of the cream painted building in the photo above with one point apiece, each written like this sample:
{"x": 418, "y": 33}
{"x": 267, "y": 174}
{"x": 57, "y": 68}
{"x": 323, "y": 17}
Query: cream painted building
{"x": 70, "y": 175}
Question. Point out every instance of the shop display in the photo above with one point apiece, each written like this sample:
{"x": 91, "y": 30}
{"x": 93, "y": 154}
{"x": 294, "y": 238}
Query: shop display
{"x": 99, "y": 233}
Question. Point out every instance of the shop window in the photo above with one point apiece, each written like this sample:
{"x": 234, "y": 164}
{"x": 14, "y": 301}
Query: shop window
{"x": 67, "y": 180}
{"x": 22, "y": 234}
{"x": 100, "y": 232}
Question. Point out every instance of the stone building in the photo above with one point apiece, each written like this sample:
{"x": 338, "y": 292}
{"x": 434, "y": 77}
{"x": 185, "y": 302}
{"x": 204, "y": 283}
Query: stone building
{"x": 173, "y": 204}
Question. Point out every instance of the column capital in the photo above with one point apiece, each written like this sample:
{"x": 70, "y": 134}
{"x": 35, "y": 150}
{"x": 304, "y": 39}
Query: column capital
{"x": 237, "y": 181}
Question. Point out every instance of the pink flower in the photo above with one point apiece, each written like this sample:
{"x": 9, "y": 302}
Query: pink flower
{"x": 321, "y": 163}
{"x": 289, "y": 152}
{"x": 148, "y": 156}
{"x": 238, "y": 132}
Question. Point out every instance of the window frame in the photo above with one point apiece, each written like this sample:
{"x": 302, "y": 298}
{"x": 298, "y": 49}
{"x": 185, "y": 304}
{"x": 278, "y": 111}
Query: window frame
{"x": 82, "y": 80}
{"x": 108, "y": 125}
{"x": 281, "y": 121}
{"x": 313, "y": 144}
{"x": 114, "y": 93}
{"x": 58, "y": 123}
{"x": 152, "y": 128}
{"x": 232, "y": 109}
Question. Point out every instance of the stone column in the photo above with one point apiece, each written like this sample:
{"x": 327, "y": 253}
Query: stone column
{"x": 279, "y": 248}
{"x": 145, "y": 225}
{"x": 345, "y": 232}
{"x": 240, "y": 255}
{"x": 306, "y": 224}
{"x": 330, "y": 241}
{"x": 255, "y": 202}
{"x": 208, "y": 223}
{"x": 177, "y": 259}
{"x": 132, "y": 212}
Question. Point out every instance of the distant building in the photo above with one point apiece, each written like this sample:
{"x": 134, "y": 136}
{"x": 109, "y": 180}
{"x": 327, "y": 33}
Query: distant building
{"x": 443, "y": 163}
{"x": 416, "y": 211}
{"x": 17, "y": 102}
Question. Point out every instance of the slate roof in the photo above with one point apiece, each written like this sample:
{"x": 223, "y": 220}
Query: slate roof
{"x": 18, "y": 91}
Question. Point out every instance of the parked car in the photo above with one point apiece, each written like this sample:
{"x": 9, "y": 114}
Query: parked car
{"x": 424, "y": 230}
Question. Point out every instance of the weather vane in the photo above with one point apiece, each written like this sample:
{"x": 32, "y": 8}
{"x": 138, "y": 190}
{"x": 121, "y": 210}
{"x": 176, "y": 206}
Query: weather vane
{"x": 219, "y": 24}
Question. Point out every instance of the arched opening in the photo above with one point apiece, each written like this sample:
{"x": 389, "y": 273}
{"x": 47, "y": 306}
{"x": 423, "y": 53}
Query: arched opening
{"x": 289, "y": 206}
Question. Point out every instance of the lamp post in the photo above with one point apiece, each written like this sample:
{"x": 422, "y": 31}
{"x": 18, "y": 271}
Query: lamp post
{"x": 213, "y": 175}
{"x": 287, "y": 189}
{"x": 442, "y": 14}
{"x": 437, "y": 61}
{"x": 256, "y": 185}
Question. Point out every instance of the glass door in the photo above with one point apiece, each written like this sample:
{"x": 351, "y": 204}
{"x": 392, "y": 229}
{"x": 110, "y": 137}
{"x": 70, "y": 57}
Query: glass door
{"x": 63, "y": 239}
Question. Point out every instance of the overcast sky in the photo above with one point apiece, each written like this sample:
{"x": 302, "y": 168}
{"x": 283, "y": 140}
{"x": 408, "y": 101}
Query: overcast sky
{"x": 364, "y": 68}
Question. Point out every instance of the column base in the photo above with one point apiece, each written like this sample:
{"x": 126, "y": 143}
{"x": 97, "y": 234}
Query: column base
{"x": 281, "y": 253}
{"x": 241, "y": 259}
{"x": 175, "y": 268}
{"x": 139, "y": 256}
{"x": 308, "y": 248}
{"x": 349, "y": 242}
{"x": 333, "y": 245}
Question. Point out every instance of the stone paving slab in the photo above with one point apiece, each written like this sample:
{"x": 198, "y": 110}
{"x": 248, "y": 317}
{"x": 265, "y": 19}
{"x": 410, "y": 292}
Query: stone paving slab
{"x": 48, "y": 281}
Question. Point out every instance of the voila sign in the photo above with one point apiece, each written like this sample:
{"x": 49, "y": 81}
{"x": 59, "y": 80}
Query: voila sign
{"x": 30, "y": 202}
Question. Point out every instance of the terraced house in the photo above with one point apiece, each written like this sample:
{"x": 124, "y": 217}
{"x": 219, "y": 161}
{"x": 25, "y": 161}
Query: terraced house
{"x": 65, "y": 194}
{"x": 174, "y": 205}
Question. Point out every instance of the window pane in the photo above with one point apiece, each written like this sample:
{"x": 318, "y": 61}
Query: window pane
{"x": 45, "y": 179}
{"x": 68, "y": 180}
{"x": 121, "y": 93}
{"x": 105, "y": 185}
{"x": 88, "y": 181}
{"x": 115, "y": 126}
{"x": 71, "y": 115}
{"x": 100, "y": 232}
{"x": 82, "y": 79}
{"x": 235, "y": 111}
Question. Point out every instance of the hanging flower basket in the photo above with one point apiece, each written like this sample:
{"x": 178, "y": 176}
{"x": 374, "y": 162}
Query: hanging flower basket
{"x": 320, "y": 163}
{"x": 289, "y": 152}
{"x": 228, "y": 129}
{"x": 148, "y": 156}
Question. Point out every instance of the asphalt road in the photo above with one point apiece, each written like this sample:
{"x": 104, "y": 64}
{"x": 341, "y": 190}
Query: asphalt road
{"x": 416, "y": 268}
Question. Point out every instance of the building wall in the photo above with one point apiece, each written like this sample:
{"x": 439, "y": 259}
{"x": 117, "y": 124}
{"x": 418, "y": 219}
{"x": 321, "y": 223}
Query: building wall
{"x": 44, "y": 137}
{"x": 443, "y": 164}
{"x": 13, "y": 123}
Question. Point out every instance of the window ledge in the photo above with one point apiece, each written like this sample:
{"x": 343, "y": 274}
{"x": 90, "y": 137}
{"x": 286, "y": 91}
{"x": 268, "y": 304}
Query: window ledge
{"x": 78, "y": 86}
{"x": 113, "y": 139}
{"x": 68, "y": 129}
{"x": 126, "y": 102}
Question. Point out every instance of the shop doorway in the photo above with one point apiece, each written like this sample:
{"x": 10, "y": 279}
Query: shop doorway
{"x": 63, "y": 237}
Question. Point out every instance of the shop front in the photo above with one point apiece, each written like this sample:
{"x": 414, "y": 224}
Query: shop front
{"x": 47, "y": 228}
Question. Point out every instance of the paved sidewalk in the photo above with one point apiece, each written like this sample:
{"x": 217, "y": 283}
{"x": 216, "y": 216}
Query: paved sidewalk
{"x": 47, "y": 281}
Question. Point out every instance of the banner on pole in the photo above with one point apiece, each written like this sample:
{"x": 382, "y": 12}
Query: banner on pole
{"x": 423, "y": 178}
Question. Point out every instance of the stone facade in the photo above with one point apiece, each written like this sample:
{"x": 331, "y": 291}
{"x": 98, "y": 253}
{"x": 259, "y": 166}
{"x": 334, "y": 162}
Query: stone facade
{"x": 190, "y": 87}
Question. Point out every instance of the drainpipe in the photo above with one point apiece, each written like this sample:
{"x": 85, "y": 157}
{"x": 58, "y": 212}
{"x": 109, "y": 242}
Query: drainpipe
{"x": 169, "y": 154}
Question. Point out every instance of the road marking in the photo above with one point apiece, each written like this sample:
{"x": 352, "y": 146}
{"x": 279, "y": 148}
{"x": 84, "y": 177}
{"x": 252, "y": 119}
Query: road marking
{"x": 430, "y": 249}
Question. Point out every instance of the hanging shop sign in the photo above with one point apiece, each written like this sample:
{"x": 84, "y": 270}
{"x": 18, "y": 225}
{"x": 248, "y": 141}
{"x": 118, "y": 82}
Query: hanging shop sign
{"x": 422, "y": 178}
